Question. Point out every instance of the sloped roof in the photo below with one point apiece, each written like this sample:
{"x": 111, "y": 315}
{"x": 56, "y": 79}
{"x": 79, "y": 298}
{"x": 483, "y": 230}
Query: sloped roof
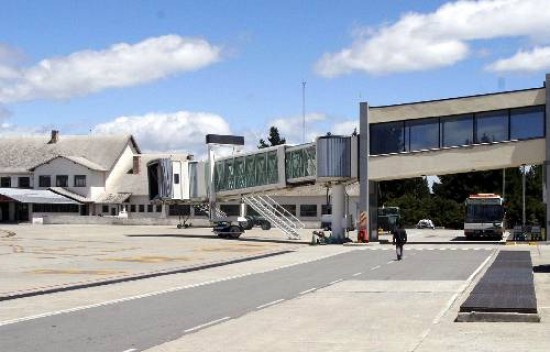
{"x": 76, "y": 159}
{"x": 112, "y": 198}
{"x": 137, "y": 184}
{"x": 66, "y": 193}
{"x": 22, "y": 153}
{"x": 37, "y": 196}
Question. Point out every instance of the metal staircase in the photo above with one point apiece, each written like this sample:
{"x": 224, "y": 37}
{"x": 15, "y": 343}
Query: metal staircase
{"x": 217, "y": 214}
{"x": 275, "y": 214}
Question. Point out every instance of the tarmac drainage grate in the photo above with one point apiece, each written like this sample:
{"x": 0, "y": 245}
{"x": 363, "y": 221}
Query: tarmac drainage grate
{"x": 506, "y": 293}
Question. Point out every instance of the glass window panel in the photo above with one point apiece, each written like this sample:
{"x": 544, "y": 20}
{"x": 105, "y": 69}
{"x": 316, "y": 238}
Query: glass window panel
{"x": 308, "y": 210}
{"x": 231, "y": 209}
{"x": 44, "y": 181}
{"x": 457, "y": 130}
{"x": 24, "y": 182}
{"x": 422, "y": 134}
{"x": 80, "y": 180}
{"x": 492, "y": 126}
{"x": 527, "y": 123}
{"x": 387, "y": 138}
{"x": 62, "y": 181}
{"x": 5, "y": 182}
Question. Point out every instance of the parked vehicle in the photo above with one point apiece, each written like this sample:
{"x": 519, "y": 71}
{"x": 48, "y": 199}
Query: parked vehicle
{"x": 250, "y": 221}
{"x": 485, "y": 214}
{"x": 425, "y": 224}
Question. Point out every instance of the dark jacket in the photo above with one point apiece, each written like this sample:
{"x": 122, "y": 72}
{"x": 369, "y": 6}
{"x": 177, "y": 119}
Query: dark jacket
{"x": 399, "y": 236}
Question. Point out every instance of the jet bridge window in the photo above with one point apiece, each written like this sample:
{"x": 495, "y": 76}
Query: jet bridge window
{"x": 527, "y": 123}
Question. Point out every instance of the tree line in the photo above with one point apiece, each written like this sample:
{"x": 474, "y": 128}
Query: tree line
{"x": 445, "y": 205}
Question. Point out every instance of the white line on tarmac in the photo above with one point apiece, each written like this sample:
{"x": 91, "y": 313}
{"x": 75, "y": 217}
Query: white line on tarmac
{"x": 207, "y": 324}
{"x": 391, "y": 261}
{"x": 308, "y": 291}
{"x": 173, "y": 289}
{"x": 376, "y": 267}
{"x": 356, "y": 274}
{"x": 130, "y": 350}
{"x": 335, "y": 281}
{"x": 270, "y": 303}
{"x": 445, "y": 309}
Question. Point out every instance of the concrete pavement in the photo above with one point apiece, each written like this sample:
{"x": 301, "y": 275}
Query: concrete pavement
{"x": 378, "y": 316}
{"x": 350, "y": 315}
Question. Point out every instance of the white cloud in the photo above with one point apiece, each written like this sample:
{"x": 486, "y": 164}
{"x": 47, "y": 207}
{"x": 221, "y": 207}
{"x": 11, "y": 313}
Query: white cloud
{"x": 121, "y": 65}
{"x": 345, "y": 128}
{"x": 534, "y": 60}
{"x": 427, "y": 41}
{"x": 180, "y": 131}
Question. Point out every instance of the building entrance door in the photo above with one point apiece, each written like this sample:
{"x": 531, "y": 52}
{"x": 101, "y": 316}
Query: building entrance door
{"x": 21, "y": 212}
{"x": 4, "y": 212}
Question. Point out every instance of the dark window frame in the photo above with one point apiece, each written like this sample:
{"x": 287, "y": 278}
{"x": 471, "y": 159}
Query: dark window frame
{"x": 308, "y": 213}
{"x": 78, "y": 178}
{"x": 42, "y": 181}
{"x": 5, "y": 181}
{"x": 60, "y": 178}
{"x": 26, "y": 184}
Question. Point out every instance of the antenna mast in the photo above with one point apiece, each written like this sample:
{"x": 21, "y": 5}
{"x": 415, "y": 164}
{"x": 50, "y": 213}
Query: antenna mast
{"x": 304, "y": 111}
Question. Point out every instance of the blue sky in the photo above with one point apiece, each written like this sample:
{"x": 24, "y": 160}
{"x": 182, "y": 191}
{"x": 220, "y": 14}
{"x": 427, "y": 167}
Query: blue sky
{"x": 170, "y": 72}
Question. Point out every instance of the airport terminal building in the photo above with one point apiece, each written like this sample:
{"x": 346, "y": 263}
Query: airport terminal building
{"x": 106, "y": 176}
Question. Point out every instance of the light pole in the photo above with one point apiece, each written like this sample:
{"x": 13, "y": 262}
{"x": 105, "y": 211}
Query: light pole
{"x": 304, "y": 111}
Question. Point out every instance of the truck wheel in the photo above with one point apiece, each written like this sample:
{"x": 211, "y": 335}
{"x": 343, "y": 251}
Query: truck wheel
{"x": 234, "y": 231}
{"x": 266, "y": 225}
{"x": 248, "y": 224}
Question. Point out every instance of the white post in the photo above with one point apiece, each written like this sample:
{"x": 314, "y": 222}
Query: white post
{"x": 338, "y": 207}
{"x": 211, "y": 186}
{"x": 523, "y": 196}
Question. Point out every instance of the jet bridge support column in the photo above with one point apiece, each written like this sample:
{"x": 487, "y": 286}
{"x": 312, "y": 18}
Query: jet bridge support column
{"x": 367, "y": 189}
{"x": 211, "y": 183}
{"x": 546, "y": 165}
{"x": 338, "y": 208}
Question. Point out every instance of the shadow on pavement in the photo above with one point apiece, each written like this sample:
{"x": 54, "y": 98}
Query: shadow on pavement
{"x": 214, "y": 237}
{"x": 542, "y": 268}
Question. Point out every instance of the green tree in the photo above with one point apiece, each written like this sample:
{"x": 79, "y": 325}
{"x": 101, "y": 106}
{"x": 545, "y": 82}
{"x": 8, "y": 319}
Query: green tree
{"x": 273, "y": 139}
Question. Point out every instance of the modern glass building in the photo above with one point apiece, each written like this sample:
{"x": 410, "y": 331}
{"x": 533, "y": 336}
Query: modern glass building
{"x": 461, "y": 130}
{"x": 455, "y": 135}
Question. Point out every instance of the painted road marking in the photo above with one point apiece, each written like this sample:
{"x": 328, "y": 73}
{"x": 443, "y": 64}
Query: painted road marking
{"x": 206, "y": 324}
{"x": 391, "y": 261}
{"x": 356, "y": 274}
{"x": 270, "y": 303}
{"x": 173, "y": 289}
{"x": 130, "y": 350}
{"x": 376, "y": 267}
{"x": 335, "y": 281}
{"x": 308, "y": 291}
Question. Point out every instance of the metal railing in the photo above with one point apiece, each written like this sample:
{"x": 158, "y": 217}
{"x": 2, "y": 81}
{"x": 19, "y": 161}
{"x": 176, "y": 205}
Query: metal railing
{"x": 271, "y": 211}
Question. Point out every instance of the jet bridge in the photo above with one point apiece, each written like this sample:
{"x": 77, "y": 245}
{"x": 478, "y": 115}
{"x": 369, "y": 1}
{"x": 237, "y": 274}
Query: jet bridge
{"x": 331, "y": 160}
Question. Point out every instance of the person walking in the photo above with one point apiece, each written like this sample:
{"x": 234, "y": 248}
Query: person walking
{"x": 399, "y": 239}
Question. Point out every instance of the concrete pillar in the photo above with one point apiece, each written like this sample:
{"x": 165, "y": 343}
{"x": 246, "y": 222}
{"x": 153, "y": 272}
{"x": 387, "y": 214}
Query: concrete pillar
{"x": 365, "y": 192}
{"x": 338, "y": 207}
{"x": 242, "y": 210}
{"x": 546, "y": 165}
{"x": 211, "y": 186}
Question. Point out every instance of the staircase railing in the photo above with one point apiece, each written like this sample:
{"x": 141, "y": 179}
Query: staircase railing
{"x": 271, "y": 211}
